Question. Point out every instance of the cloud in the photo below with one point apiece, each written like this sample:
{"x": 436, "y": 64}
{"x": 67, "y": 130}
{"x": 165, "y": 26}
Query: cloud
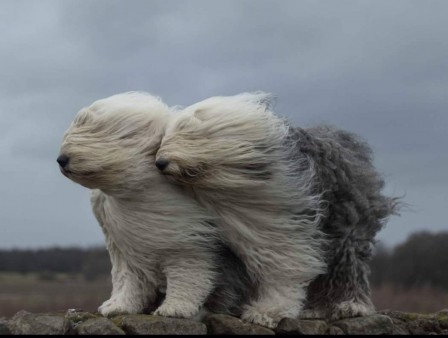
{"x": 374, "y": 67}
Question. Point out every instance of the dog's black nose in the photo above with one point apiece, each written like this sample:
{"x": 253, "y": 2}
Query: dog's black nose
{"x": 63, "y": 160}
{"x": 161, "y": 163}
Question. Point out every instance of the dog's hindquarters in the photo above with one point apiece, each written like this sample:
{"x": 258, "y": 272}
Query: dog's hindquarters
{"x": 355, "y": 211}
{"x": 343, "y": 291}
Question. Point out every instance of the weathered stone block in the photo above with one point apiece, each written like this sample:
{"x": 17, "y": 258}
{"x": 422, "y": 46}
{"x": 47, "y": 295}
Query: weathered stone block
{"x": 423, "y": 326}
{"x": 442, "y": 317}
{"x": 98, "y": 326}
{"x": 146, "y": 324}
{"x": 4, "y": 327}
{"x": 371, "y": 325}
{"x": 302, "y": 327}
{"x": 25, "y": 322}
{"x": 78, "y": 316}
{"x": 335, "y": 331}
{"x": 227, "y": 325}
{"x": 416, "y": 323}
{"x": 400, "y": 327}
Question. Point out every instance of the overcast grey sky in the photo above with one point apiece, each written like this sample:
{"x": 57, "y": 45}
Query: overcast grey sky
{"x": 378, "y": 68}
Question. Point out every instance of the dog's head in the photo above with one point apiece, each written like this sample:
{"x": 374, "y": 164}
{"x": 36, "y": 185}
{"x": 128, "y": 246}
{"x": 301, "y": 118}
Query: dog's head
{"x": 112, "y": 143}
{"x": 221, "y": 142}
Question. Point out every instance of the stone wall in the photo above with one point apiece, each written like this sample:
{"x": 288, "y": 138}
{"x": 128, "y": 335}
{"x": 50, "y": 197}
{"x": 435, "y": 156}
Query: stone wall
{"x": 84, "y": 323}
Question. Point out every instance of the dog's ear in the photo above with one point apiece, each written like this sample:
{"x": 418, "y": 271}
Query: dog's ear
{"x": 83, "y": 117}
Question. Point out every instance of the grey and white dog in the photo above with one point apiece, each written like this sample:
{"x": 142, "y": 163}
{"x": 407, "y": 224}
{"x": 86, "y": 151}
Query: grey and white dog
{"x": 159, "y": 239}
{"x": 300, "y": 207}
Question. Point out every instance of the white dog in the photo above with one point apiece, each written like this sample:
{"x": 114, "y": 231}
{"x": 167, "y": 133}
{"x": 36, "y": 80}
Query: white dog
{"x": 158, "y": 238}
{"x": 231, "y": 151}
{"x": 300, "y": 207}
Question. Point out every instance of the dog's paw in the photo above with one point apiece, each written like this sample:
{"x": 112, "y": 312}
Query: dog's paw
{"x": 116, "y": 306}
{"x": 349, "y": 309}
{"x": 177, "y": 309}
{"x": 253, "y": 315}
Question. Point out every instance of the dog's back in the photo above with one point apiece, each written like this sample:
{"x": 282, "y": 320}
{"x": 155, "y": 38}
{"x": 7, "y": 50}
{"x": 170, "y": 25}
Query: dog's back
{"x": 347, "y": 178}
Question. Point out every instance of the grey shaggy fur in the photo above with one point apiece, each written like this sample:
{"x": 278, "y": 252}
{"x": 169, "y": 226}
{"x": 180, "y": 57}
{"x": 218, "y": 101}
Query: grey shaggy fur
{"x": 355, "y": 210}
{"x": 233, "y": 288}
{"x": 300, "y": 207}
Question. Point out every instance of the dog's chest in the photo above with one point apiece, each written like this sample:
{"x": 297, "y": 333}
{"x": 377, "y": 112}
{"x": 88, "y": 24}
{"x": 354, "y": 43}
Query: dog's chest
{"x": 133, "y": 231}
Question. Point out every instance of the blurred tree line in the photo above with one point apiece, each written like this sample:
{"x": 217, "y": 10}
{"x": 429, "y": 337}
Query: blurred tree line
{"x": 421, "y": 261}
{"x": 91, "y": 262}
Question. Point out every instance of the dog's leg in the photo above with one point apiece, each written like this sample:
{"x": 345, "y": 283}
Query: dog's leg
{"x": 275, "y": 301}
{"x": 281, "y": 269}
{"x": 131, "y": 293}
{"x": 281, "y": 276}
{"x": 190, "y": 279}
{"x": 344, "y": 290}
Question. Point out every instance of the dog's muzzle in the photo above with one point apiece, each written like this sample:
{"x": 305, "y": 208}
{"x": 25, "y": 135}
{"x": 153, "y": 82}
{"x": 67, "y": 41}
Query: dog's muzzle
{"x": 63, "y": 160}
{"x": 162, "y": 164}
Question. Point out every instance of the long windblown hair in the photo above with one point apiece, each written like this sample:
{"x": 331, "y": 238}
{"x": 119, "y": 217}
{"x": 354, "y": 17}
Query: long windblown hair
{"x": 298, "y": 206}
{"x": 236, "y": 147}
{"x": 111, "y": 141}
{"x": 237, "y": 158}
{"x": 159, "y": 239}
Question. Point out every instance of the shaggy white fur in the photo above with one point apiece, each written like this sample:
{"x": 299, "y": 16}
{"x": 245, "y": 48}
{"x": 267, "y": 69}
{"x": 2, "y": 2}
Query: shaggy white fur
{"x": 158, "y": 238}
{"x": 232, "y": 154}
{"x": 299, "y": 207}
